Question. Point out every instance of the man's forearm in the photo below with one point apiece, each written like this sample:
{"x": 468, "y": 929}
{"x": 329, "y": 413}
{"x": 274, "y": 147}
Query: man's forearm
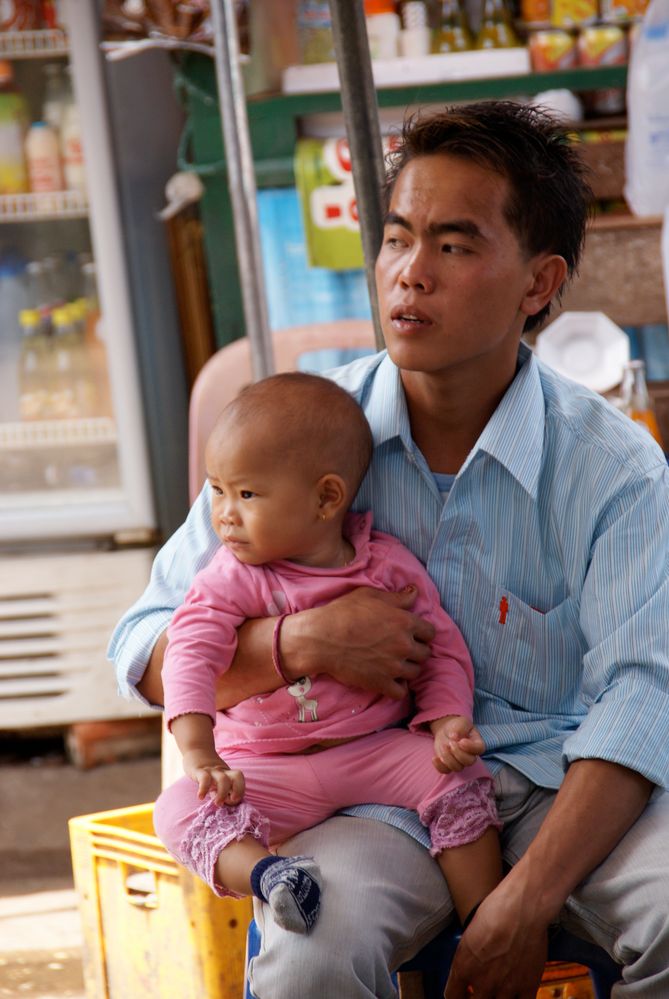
{"x": 507, "y": 940}
{"x": 596, "y": 805}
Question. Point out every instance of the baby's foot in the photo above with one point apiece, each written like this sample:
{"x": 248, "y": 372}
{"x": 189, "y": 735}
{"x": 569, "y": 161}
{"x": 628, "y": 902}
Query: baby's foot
{"x": 291, "y": 886}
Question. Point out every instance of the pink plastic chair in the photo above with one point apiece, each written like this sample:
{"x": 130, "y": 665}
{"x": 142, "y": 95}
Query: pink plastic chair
{"x": 229, "y": 370}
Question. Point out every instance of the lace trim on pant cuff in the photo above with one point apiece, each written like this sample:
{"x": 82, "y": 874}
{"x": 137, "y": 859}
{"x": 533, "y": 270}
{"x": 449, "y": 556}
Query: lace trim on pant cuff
{"x": 212, "y": 829}
{"x": 461, "y": 816}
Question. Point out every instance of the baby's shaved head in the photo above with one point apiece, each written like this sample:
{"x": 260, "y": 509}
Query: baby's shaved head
{"x": 306, "y": 420}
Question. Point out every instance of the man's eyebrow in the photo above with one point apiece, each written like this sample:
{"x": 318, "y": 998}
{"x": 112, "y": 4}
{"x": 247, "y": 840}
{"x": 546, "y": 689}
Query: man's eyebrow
{"x": 463, "y": 226}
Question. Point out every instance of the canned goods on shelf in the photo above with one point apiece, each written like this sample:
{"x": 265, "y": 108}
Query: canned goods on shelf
{"x": 552, "y": 49}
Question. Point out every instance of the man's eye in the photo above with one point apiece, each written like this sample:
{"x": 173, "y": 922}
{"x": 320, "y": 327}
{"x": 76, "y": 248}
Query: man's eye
{"x": 246, "y": 494}
{"x": 451, "y": 248}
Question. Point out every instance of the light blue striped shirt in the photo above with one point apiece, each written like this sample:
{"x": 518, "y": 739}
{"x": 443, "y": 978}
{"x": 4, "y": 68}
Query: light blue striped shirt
{"x": 551, "y": 554}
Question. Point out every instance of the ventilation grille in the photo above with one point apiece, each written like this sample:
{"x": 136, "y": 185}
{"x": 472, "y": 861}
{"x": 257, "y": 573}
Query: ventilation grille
{"x": 56, "y": 616}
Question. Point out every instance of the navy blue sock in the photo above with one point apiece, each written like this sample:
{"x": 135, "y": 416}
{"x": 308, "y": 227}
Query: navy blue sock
{"x": 291, "y": 886}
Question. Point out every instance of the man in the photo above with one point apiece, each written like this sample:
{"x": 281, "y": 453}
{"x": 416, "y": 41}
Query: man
{"x": 543, "y": 517}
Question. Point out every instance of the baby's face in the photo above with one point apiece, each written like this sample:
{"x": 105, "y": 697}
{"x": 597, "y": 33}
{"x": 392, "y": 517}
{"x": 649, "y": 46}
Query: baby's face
{"x": 264, "y": 507}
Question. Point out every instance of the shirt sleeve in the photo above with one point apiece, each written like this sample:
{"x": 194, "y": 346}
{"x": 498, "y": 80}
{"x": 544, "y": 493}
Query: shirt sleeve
{"x": 189, "y": 549}
{"x": 445, "y": 685}
{"x": 203, "y": 636}
{"x": 623, "y": 615}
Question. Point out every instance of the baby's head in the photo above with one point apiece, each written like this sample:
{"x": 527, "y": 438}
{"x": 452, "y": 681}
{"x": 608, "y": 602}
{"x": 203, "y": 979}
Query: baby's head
{"x": 285, "y": 460}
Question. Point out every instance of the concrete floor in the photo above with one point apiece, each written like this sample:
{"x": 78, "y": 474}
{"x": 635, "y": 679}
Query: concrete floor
{"x": 40, "y": 936}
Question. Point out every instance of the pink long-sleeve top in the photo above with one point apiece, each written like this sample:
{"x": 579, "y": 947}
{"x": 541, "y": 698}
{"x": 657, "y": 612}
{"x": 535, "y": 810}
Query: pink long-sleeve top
{"x": 203, "y": 639}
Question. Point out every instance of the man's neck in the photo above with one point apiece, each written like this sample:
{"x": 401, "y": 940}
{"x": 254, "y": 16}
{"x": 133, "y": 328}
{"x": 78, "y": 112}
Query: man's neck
{"x": 447, "y": 417}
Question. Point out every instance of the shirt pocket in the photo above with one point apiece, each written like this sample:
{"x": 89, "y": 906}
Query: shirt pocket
{"x": 531, "y": 659}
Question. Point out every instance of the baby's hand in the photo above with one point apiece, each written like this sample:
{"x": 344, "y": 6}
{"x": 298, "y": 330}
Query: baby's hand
{"x": 457, "y": 743}
{"x": 212, "y": 774}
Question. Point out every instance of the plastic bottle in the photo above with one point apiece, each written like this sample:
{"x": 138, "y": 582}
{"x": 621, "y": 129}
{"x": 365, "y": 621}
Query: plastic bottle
{"x": 13, "y": 127}
{"x": 383, "y": 28}
{"x": 314, "y": 31}
{"x": 415, "y": 37}
{"x": 453, "y": 34}
{"x": 12, "y": 300}
{"x": 39, "y": 293}
{"x": 71, "y": 150}
{"x": 70, "y": 385}
{"x": 43, "y": 155}
{"x": 647, "y": 144}
{"x": 57, "y": 94}
{"x": 34, "y": 367}
{"x": 495, "y": 31}
{"x": 635, "y": 400}
{"x": 94, "y": 340}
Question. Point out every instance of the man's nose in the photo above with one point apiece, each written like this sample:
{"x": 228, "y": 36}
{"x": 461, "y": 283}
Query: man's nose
{"x": 416, "y": 271}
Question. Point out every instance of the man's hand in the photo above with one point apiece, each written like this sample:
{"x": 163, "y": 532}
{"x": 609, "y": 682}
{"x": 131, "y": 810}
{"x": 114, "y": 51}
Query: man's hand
{"x": 457, "y": 743}
{"x": 368, "y": 638}
{"x": 501, "y": 955}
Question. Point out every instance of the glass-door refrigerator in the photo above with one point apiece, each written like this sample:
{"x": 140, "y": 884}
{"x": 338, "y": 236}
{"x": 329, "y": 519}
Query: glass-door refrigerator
{"x": 77, "y": 518}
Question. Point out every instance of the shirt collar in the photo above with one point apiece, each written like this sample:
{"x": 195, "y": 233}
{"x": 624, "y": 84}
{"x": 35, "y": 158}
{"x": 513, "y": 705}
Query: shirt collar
{"x": 513, "y": 436}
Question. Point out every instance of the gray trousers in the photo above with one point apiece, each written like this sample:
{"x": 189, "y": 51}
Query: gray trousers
{"x": 384, "y": 898}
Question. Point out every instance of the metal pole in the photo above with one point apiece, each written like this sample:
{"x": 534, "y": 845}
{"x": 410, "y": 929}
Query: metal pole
{"x": 242, "y": 185}
{"x": 358, "y": 98}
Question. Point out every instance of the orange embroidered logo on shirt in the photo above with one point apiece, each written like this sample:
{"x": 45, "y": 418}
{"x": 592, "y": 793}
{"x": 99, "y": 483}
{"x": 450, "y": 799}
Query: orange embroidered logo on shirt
{"x": 503, "y": 610}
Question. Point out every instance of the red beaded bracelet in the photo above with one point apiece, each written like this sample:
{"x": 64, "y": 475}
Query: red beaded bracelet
{"x": 276, "y": 653}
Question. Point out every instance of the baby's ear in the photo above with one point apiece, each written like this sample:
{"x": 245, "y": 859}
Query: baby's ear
{"x": 332, "y": 495}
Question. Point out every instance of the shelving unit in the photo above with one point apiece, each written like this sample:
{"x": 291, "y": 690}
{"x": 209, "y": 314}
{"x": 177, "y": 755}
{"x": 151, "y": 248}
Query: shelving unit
{"x": 57, "y": 433}
{"x": 33, "y": 44}
{"x": 43, "y": 207}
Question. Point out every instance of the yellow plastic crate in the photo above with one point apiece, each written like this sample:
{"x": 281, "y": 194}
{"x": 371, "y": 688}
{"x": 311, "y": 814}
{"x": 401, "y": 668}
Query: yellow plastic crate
{"x": 150, "y": 928}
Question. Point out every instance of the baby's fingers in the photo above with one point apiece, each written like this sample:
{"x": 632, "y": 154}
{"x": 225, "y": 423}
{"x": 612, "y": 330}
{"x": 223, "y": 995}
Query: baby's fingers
{"x": 236, "y": 787}
{"x": 204, "y": 781}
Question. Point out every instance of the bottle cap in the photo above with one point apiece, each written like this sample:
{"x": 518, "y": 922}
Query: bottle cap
{"x": 29, "y": 317}
{"x": 379, "y": 7}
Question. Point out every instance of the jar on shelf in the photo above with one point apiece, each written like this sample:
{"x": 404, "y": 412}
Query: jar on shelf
{"x": 603, "y": 45}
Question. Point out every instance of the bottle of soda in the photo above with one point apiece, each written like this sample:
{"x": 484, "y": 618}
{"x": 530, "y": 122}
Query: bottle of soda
{"x": 635, "y": 399}
{"x": 453, "y": 34}
{"x": 496, "y": 31}
{"x": 33, "y": 367}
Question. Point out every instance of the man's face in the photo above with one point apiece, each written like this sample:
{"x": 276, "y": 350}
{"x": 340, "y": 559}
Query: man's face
{"x": 451, "y": 274}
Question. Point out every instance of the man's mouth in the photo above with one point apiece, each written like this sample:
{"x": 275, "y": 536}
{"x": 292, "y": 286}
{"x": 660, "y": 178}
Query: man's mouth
{"x": 409, "y": 318}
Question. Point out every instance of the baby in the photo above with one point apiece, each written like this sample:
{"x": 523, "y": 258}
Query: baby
{"x": 285, "y": 461}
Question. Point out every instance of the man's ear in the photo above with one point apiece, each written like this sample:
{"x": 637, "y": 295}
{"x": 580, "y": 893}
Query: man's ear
{"x": 550, "y": 273}
{"x": 332, "y": 495}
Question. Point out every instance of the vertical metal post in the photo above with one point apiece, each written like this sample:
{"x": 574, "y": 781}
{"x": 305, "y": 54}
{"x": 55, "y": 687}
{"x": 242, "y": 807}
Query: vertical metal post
{"x": 242, "y": 185}
{"x": 361, "y": 115}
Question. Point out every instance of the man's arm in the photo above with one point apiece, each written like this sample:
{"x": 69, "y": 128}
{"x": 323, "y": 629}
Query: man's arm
{"x": 367, "y": 638}
{"x": 503, "y": 952}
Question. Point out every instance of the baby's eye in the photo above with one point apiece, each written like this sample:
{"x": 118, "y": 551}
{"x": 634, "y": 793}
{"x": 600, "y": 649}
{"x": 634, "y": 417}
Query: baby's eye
{"x": 246, "y": 494}
{"x": 216, "y": 490}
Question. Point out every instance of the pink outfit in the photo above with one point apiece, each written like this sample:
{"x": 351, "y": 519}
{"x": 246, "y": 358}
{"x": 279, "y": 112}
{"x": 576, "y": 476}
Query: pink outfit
{"x": 286, "y": 793}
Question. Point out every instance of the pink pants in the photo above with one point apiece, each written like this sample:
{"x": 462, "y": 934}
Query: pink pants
{"x": 287, "y": 793}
